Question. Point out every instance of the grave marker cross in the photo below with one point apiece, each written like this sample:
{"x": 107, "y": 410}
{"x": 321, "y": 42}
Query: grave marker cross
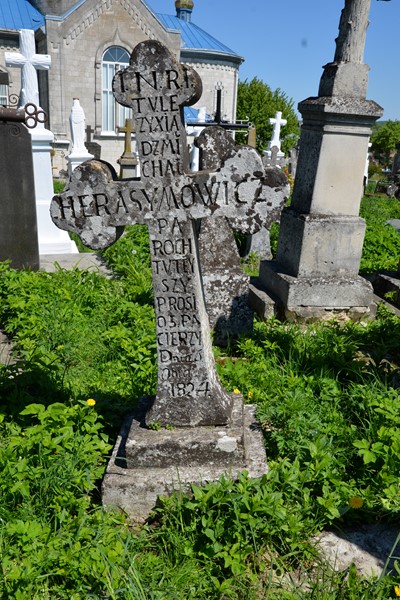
{"x": 128, "y": 130}
{"x": 29, "y": 62}
{"x": 277, "y": 122}
{"x": 169, "y": 199}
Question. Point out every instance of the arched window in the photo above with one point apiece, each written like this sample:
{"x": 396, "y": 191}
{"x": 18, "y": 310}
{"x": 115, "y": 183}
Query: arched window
{"x": 113, "y": 114}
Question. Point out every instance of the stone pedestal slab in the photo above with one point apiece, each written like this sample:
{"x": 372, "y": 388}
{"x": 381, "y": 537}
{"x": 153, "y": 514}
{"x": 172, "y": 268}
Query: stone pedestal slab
{"x": 51, "y": 239}
{"x": 147, "y": 463}
{"x": 320, "y": 245}
{"x": 329, "y": 292}
{"x": 310, "y": 298}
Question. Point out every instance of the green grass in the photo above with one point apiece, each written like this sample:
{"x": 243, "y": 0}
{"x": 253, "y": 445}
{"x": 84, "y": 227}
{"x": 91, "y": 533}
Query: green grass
{"x": 327, "y": 399}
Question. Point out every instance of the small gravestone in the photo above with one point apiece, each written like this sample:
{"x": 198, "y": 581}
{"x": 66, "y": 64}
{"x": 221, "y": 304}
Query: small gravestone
{"x": 18, "y": 228}
{"x": 212, "y": 432}
{"x": 91, "y": 146}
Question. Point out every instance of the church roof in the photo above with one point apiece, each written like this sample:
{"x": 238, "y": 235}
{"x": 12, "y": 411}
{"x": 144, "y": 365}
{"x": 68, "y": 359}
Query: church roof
{"x": 19, "y": 14}
{"x": 194, "y": 38}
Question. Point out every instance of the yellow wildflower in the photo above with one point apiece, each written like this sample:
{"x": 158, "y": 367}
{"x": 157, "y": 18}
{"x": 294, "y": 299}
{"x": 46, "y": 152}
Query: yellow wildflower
{"x": 250, "y": 394}
{"x": 356, "y": 502}
{"x": 236, "y": 391}
{"x": 397, "y": 590}
{"x": 91, "y": 402}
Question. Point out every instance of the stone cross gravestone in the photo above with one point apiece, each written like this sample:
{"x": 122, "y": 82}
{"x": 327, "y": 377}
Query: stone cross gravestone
{"x": 169, "y": 199}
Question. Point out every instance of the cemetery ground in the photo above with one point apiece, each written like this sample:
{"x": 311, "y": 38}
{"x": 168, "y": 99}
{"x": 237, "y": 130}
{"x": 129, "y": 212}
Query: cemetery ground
{"x": 328, "y": 400}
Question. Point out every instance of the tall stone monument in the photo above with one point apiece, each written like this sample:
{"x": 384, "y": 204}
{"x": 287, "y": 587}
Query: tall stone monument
{"x": 321, "y": 235}
{"x": 207, "y": 430}
{"x": 51, "y": 240}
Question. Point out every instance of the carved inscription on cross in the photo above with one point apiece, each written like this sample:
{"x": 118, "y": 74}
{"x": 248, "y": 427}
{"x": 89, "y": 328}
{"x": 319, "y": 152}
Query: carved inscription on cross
{"x": 169, "y": 199}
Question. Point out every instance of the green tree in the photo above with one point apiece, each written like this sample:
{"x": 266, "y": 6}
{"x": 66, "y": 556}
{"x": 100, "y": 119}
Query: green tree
{"x": 258, "y": 103}
{"x": 384, "y": 140}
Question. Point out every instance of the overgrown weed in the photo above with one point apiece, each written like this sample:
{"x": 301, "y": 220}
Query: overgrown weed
{"x": 328, "y": 400}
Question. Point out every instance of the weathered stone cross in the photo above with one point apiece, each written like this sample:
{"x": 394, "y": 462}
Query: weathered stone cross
{"x": 128, "y": 130}
{"x": 29, "y": 62}
{"x": 169, "y": 199}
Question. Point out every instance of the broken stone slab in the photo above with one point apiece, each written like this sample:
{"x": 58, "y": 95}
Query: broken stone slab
{"x": 386, "y": 282}
{"x": 148, "y": 463}
{"x": 90, "y": 261}
{"x": 368, "y": 547}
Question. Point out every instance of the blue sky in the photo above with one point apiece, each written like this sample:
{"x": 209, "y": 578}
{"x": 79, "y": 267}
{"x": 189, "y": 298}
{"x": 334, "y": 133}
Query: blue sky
{"x": 286, "y": 42}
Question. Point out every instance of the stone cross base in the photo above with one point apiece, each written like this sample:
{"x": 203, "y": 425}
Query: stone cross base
{"x": 129, "y": 167}
{"x": 147, "y": 463}
{"x": 310, "y": 299}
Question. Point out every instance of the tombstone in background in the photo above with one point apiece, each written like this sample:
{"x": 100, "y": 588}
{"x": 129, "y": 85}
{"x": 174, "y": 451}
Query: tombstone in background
{"x": 226, "y": 286}
{"x": 210, "y": 431}
{"x": 93, "y": 147}
{"x": 321, "y": 235}
{"x": 260, "y": 242}
{"x": 51, "y": 240}
{"x": 277, "y": 122}
{"x": 77, "y": 122}
{"x": 194, "y": 132}
{"x": 128, "y": 161}
{"x": 292, "y": 163}
{"x": 252, "y": 136}
{"x": 18, "y": 227}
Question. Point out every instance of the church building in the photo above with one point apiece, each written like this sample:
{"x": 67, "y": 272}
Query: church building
{"x": 88, "y": 41}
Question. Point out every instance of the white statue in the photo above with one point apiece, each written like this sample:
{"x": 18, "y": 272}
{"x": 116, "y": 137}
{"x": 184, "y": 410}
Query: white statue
{"x": 77, "y": 123}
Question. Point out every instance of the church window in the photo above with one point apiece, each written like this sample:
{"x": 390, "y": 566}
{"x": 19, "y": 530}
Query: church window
{"x": 3, "y": 95}
{"x": 113, "y": 114}
{"x": 3, "y": 88}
